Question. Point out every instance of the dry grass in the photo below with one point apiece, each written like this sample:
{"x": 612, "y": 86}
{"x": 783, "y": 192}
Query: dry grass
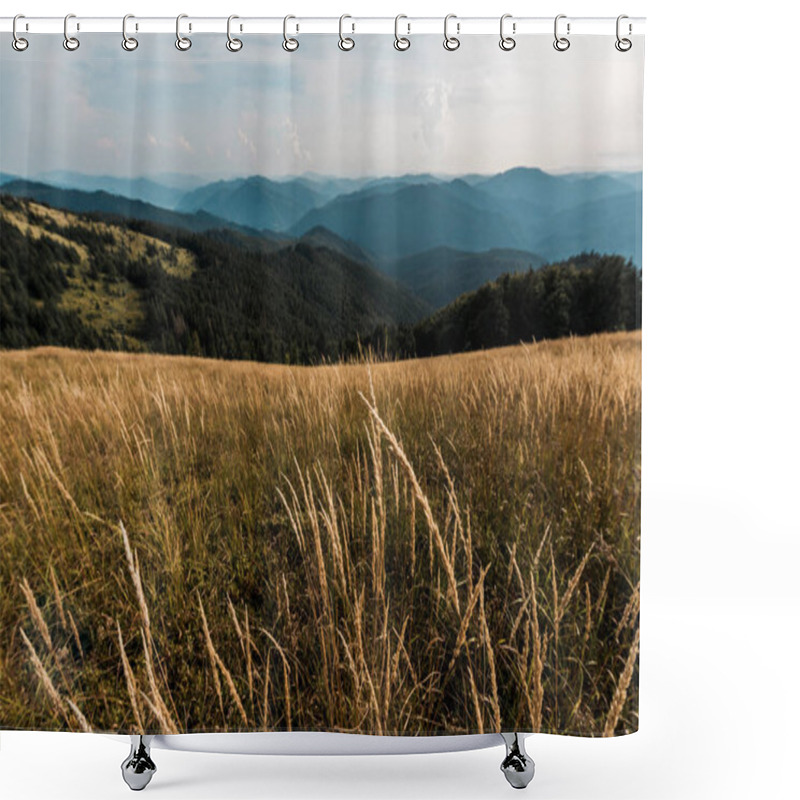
{"x": 427, "y": 546}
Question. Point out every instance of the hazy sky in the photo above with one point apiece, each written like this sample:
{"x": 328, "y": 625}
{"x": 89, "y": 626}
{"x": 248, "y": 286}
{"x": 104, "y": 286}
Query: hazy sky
{"x": 371, "y": 111}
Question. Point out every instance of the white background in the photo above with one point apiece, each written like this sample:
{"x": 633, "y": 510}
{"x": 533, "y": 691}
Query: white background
{"x": 721, "y": 539}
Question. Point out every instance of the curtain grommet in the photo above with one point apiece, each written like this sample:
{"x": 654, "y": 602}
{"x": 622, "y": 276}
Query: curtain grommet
{"x": 507, "y": 43}
{"x": 451, "y": 43}
{"x": 289, "y": 44}
{"x": 401, "y": 43}
{"x": 18, "y": 42}
{"x": 561, "y": 43}
{"x": 623, "y": 44}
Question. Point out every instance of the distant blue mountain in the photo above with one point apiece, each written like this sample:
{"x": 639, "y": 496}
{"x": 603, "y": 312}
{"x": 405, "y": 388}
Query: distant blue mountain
{"x": 145, "y": 189}
{"x": 117, "y": 206}
{"x": 551, "y": 192}
{"x": 523, "y": 208}
{"x": 611, "y": 225}
{"x": 440, "y": 275}
{"x": 324, "y": 186}
{"x": 256, "y": 201}
{"x": 390, "y": 218}
{"x": 409, "y": 219}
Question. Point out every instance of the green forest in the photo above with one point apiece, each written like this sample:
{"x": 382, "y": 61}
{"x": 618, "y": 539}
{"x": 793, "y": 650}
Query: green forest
{"x": 249, "y": 299}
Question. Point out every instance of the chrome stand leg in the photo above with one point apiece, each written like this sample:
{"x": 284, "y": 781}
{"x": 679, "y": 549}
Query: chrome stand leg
{"x": 517, "y": 766}
{"x": 138, "y": 768}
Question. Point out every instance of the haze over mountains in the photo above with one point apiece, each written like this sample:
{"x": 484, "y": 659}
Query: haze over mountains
{"x": 523, "y": 208}
{"x": 551, "y": 216}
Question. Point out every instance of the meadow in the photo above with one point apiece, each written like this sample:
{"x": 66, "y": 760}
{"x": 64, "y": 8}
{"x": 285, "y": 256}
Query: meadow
{"x": 435, "y": 545}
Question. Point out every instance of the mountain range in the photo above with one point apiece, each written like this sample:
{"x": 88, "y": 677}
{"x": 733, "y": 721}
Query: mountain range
{"x": 390, "y": 218}
{"x": 420, "y": 240}
{"x": 100, "y": 280}
{"x": 89, "y": 280}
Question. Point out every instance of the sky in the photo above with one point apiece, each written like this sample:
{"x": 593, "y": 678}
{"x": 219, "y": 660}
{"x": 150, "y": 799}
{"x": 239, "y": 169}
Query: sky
{"x": 372, "y": 111}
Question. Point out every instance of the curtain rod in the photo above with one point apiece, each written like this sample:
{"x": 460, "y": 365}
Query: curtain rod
{"x": 461, "y": 26}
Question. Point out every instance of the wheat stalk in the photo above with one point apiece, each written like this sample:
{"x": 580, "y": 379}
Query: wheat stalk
{"x": 51, "y": 690}
{"x": 621, "y": 692}
{"x": 223, "y": 669}
{"x": 130, "y": 680}
{"x": 397, "y": 449}
{"x": 133, "y": 569}
{"x": 36, "y": 614}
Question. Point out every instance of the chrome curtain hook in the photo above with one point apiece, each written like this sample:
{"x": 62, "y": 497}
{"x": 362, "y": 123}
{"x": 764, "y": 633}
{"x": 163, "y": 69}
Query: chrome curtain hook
{"x": 507, "y": 42}
{"x": 18, "y": 43}
{"x": 451, "y": 42}
{"x": 401, "y": 42}
{"x": 346, "y": 42}
{"x": 561, "y": 43}
{"x": 128, "y": 42}
{"x": 623, "y": 44}
{"x": 289, "y": 44}
{"x": 181, "y": 42}
{"x": 70, "y": 42}
{"x": 233, "y": 44}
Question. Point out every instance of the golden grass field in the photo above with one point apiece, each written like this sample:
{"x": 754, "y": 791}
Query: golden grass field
{"x": 429, "y": 546}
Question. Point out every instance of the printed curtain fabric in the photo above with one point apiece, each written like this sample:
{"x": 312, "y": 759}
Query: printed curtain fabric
{"x": 320, "y": 385}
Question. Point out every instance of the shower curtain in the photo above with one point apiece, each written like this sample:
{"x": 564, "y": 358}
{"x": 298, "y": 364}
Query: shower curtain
{"x": 320, "y": 384}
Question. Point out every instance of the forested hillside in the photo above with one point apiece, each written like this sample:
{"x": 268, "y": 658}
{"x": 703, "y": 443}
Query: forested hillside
{"x": 589, "y": 293}
{"x": 81, "y": 281}
{"x": 95, "y": 281}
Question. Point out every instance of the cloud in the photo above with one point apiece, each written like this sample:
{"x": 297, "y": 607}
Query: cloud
{"x": 434, "y": 113}
{"x": 301, "y": 156}
{"x": 246, "y": 141}
{"x": 373, "y": 111}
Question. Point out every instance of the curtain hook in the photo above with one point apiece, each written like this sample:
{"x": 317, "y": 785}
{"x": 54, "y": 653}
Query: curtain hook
{"x": 183, "y": 43}
{"x": 345, "y": 42}
{"x": 18, "y": 43}
{"x": 561, "y": 43}
{"x": 70, "y": 42}
{"x": 233, "y": 44}
{"x": 623, "y": 45}
{"x": 451, "y": 42}
{"x": 128, "y": 42}
{"x": 289, "y": 44}
{"x": 507, "y": 42}
{"x": 401, "y": 42}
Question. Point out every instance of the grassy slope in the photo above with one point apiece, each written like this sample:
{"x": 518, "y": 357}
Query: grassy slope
{"x": 457, "y": 552}
{"x": 101, "y": 305}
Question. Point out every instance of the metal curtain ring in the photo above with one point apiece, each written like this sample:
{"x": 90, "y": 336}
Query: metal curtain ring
{"x": 233, "y": 44}
{"x": 345, "y": 42}
{"x": 128, "y": 42}
{"x": 561, "y": 43}
{"x": 507, "y": 42}
{"x": 401, "y": 42}
{"x": 289, "y": 44}
{"x": 70, "y": 42}
{"x": 18, "y": 43}
{"x": 623, "y": 44}
{"x": 181, "y": 42}
{"x": 451, "y": 42}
